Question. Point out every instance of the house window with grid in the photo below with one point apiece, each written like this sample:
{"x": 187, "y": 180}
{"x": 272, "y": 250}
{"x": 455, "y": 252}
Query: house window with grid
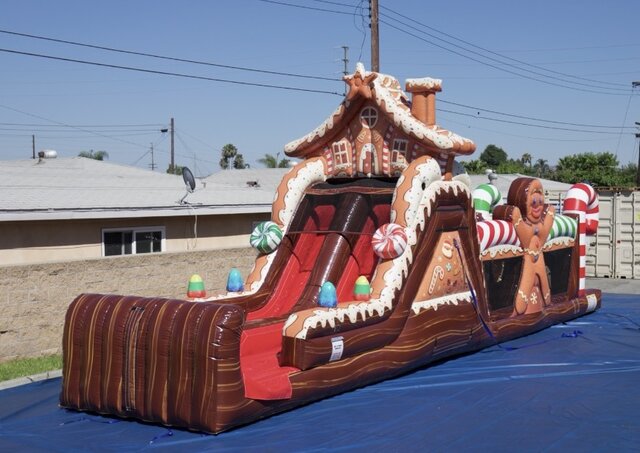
{"x": 132, "y": 241}
{"x": 341, "y": 151}
{"x": 369, "y": 116}
{"x": 399, "y": 151}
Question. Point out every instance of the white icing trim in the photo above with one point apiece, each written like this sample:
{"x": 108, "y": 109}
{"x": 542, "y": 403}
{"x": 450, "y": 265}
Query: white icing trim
{"x": 318, "y": 132}
{"x": 329, "y": 316}
{"x": 449, "y": 299}
{"x": 403, "y": 118}
{"x": 309, "y": 173}
{"x": 395, "y": 275}
{"x": 501, "y": 250}
{"x": 390, "y": 97}
{"x": 560, "y": 240}
{"x": 426, "y": 83}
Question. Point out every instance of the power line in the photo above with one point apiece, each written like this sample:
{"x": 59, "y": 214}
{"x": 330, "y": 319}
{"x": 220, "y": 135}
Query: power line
{"x": 499, "y": 68}
{"x": 498, "y": 54}
{"x": 84, "y": 125}
{"x": 74, "y": 127}
{"x": 165, "y": 57}
{"x": 541, "y": 126}
{"x": 513, "y": 115}
{"x": 293, "y": 5}
{"x": 174, "y": 74}
{"x": 550, "y": 139}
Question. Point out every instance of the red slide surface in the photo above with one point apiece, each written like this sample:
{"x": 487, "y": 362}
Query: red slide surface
{"x": 263, "y": 377}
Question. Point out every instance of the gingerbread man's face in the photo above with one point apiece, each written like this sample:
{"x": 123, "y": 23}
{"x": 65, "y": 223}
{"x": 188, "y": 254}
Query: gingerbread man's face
{"x": 535, "y": 202}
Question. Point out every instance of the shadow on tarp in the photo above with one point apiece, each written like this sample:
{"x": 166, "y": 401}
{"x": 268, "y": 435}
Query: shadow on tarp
{"x": 571, "y": 387}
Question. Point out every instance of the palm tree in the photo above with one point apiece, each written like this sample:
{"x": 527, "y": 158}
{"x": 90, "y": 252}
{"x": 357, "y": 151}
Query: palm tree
{"x": 238, "y": 162}
{"x": 541, "y": 167}
{"x": 526, "y": 159}
{"x": 97, "y": 155}
{"x": 228, "y": 153}
{"x": 270, "y": 161}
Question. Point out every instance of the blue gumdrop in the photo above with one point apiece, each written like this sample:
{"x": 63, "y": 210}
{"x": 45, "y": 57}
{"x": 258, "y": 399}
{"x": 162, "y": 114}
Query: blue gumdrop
{"x": 328, "y": 297}
{"x": 234, "y": 282}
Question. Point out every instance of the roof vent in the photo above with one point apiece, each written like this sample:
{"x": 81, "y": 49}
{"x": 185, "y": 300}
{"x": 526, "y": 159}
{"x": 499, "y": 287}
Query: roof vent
{"x": 48, "y": 154}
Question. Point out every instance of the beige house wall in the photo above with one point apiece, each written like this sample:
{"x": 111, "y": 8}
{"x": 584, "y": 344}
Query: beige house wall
{"x": 34, "y": 298}
{"x": 30, "y": 242}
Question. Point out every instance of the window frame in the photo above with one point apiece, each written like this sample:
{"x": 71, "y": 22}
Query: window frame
{"x": 134, "y": 231}
{"x": 397, "y": 150}
{"x": 365, "y": 116}
{"x": 341, "y": 153}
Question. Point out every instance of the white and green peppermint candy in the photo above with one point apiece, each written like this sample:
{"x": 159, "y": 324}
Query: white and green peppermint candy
{"x": 563, "y": 226}
{"x": 485, "y": 197}
{"x": 266, "y": 237}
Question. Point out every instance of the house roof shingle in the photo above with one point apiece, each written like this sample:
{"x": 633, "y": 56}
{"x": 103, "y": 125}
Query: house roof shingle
{"x": 86, "y": 188}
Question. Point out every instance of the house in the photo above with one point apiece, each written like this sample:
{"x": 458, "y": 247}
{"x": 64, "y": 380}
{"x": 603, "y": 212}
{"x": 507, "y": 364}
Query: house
{"x": 77, "y": 208}
{"x": 377, "y": 130}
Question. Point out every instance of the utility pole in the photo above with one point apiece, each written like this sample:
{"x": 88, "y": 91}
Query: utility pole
{"x": 345, "y": 60}
{"x": 33, "y": 146}
{"x": 634, "y": 85}
{"x": 375, "y": 47}
{"x": 173, "y": 163}
{"x": 153, "y": 162}
{"x": 638, "y": 167}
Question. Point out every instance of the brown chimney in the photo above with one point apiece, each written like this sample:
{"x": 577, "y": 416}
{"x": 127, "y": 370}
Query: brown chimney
{"x": 423, "y": 98}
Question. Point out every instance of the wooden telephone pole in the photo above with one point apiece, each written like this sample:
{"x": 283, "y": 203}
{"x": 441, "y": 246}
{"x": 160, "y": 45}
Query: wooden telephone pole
{"x": 635, "y": 85}
{"x": 375, "y": 43}
{"x": 173, "y": 162}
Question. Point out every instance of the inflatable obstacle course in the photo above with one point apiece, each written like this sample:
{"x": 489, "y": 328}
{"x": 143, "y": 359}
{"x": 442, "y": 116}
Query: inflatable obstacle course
{"x": 378, "y": 259}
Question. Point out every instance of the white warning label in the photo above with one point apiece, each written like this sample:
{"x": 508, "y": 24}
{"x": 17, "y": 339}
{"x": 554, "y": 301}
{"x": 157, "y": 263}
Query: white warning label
{"x": 337, "y": 347}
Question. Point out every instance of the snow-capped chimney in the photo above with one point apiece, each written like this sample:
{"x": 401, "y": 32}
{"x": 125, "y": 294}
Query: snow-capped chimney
{"x": 423, "y": 98}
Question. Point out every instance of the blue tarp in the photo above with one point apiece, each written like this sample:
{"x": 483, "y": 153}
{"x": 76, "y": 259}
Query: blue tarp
{"x": 572, "y": 387}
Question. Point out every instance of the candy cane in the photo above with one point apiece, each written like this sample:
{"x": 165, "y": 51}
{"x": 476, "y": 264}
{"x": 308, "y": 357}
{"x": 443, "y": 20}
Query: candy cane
{"x": 485, "y": 197}
{"x": 438, "y": 273}
{"x": 496, "y": 232}
{"x": 582, "y": 200}
{"x": 563, "y": 226}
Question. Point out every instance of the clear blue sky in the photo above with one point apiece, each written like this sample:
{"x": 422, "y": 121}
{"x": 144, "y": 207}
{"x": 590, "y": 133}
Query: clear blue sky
{"x": 590, "y": 46}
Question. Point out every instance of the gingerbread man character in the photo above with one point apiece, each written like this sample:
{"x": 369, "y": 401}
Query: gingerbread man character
{"x": 532, "y": 220}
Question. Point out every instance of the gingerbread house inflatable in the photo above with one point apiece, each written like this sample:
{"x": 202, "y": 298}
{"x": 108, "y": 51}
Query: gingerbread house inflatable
{"x": 378, "y": 197}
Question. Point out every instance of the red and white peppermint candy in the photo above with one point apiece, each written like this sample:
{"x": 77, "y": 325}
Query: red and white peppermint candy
{"x": 389, "y": 241}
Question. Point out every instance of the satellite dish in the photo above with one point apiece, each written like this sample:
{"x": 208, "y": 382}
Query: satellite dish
{"x": 188, "y": 179}
{"x": 189, "y": 182}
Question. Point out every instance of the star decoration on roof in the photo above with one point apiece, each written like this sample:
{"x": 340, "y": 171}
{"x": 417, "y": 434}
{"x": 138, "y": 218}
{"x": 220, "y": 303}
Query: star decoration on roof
{"x": 360, "y": 83}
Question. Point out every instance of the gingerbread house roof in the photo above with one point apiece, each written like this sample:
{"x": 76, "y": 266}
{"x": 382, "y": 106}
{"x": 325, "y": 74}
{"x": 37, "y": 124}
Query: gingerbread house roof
{"x": 387, "y": 94}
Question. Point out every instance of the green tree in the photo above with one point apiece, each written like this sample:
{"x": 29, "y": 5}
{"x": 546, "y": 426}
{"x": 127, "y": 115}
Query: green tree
{"x": 599, "y": 169}
{"x": 97, "y": 155}
{"x": 271, "y": 161}
{"x": 230, "y": 158}
{"x": 541, "y": 168}
{"x": 475, "y": 167}
{"x": 526, "y": 160}
{"x": 175, "y": 169}
{"x": 238, "y": 162}
{"x": 512, "y": 166}
{"x": 493, "y": 156}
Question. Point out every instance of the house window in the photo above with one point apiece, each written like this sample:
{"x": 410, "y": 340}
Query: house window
{"x": 341, "y": 153}
{"x": 399, "y": 151}
{"x": 369, "y": 116}
{"x": 132, "y": 241}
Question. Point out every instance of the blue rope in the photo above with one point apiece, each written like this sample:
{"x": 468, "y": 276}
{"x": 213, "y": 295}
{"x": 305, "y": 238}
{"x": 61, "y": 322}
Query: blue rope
{"x": 474, "y": 300}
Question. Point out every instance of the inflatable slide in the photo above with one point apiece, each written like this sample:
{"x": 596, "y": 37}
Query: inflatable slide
{"x": 378, "y": 259}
